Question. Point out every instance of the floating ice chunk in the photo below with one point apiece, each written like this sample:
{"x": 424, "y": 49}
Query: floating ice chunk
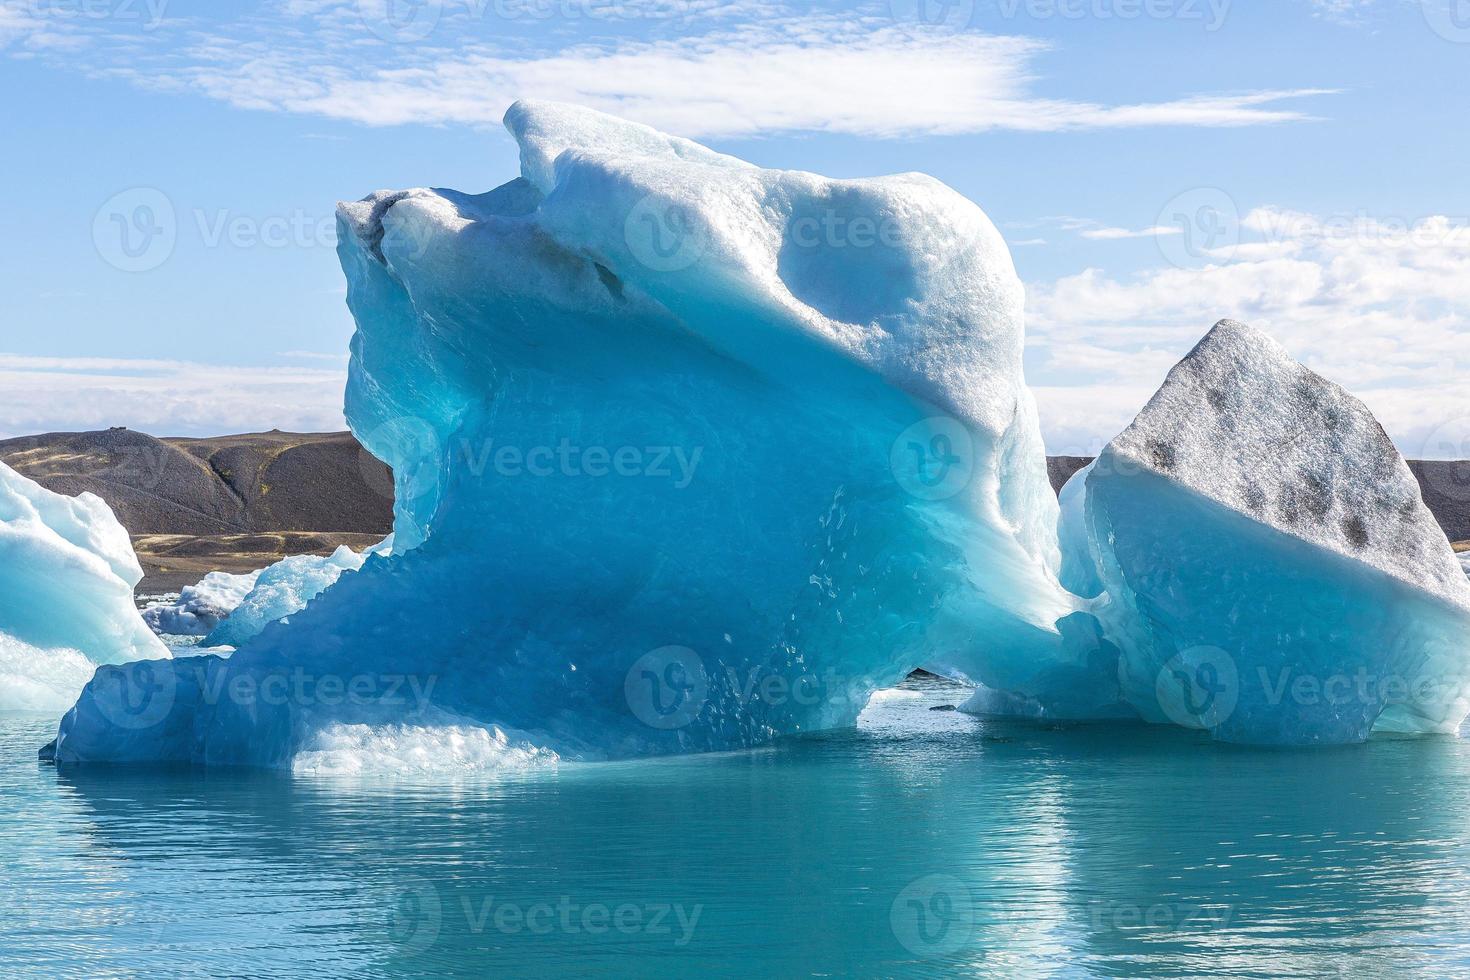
{"x": 199, "y": 608}
{"x": 1464, "y": 557}
{"x": 282, "y": 589}
{"x": 688, "y": 454}
{"x": 67, "y": 573}
{"x": 1271, "y": 572}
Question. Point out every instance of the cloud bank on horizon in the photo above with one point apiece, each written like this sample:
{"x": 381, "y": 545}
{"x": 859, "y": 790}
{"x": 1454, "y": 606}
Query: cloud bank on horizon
{"x": 1374, "y": 302}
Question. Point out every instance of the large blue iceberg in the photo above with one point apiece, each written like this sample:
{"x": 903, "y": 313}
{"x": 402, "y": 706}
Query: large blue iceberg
{"x": 688, "y": 454}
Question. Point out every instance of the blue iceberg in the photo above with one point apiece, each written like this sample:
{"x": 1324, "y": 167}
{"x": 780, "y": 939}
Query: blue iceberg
{"x": 690, "y": 454}
{"x": 284, "y": 588}
{"x": 687, "y": 454}
{"x": 1262, "y": 559}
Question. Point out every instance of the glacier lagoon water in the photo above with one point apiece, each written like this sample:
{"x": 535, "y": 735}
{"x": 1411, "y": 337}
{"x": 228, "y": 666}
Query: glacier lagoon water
{"x": 923, "y": 843}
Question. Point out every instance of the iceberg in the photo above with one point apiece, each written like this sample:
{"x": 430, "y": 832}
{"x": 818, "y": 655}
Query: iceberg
{"x": 687, "y": 454}
{"x": 200, "y": 607}
{"x": 67, "y": 574}
{"x": 690, "y": 454}
{"x": 1261, "y": 557}
{"x": 227, "y": 609}
{"x": 282, "y": 589}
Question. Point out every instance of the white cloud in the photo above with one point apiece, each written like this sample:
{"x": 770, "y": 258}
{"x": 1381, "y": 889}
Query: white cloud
{"x": 1113, "y": 234}
{"x": 1380, "y": 306}
{"x": 162, "y": 397}
{"x": 886, "y": 83}
{"x": 1097, "y": 231}
{"x": 850, "y": 73}
{"x": 1343, "y": 11}
{"x": 17, "y": 23}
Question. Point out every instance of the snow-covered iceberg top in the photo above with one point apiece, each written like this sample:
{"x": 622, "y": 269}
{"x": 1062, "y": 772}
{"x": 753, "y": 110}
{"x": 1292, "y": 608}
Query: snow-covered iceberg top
{"x": 67, "y": 574}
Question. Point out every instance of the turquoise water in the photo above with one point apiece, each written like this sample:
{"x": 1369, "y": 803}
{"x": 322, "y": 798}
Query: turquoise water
{"x": 926, "y": 843}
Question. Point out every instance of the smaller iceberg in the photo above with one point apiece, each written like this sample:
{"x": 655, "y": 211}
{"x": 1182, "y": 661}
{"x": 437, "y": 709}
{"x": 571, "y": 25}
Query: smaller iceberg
{"x": 67, "y": 574}
{"x": 201, "y": 607}
{"x": 1259, "y": 553}
{"x": 285, "y": 588}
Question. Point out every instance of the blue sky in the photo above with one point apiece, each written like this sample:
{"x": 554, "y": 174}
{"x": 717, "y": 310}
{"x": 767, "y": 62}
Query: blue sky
{"x": 1156, "y": 165}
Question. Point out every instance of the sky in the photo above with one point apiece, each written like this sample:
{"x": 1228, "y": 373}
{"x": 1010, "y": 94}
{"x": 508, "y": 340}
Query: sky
{"x": 167, "y": 241}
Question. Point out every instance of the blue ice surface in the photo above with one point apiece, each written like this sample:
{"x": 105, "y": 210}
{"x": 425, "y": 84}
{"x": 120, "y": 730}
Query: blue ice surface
{"x": 689, "y": 455}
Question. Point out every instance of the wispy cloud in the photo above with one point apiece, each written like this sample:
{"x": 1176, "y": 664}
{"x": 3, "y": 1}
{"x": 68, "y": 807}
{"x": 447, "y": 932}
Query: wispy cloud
{"x": 1343, "y": 11}
{"x": 1097, "y": 231}
{"x": 852, "y": 73}
{"x": 1114, "y": 234}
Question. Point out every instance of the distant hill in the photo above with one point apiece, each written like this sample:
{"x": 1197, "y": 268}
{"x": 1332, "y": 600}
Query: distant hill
{"x": 1444, "y": 484}
{"x": 231, "y": 503}
{"x": 242, "y": 484}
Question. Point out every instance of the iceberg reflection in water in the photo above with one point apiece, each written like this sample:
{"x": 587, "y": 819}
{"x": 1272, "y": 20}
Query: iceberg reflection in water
{"x": 925, "y": 843}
